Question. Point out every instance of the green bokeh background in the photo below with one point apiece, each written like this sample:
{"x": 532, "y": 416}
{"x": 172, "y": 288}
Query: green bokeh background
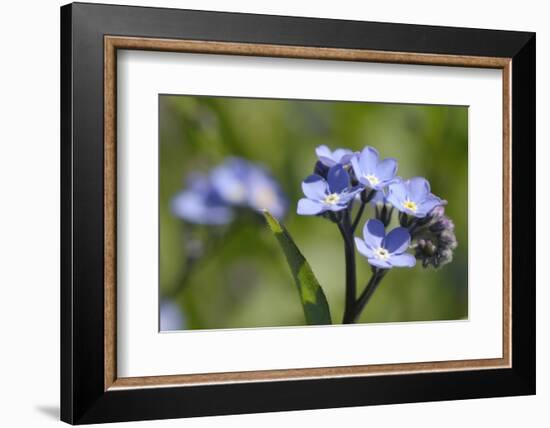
{"x": 244, "y": 280}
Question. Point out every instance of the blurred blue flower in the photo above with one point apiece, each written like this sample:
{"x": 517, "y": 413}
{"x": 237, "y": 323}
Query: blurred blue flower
{"x": 201, "y": 204}
{"x": 171, "y": 317}
{"x": 372, "y": 172}
{"x": 235, "y": 183}
{"x": 385, "y": 251}
{"x": 332, "y": 194}
{"x": 330, "y": 158}
{"x": 241, "y": 183}
{"x": 230, "y": 180}
{"x": 413, "y": 197}
{"x": 264, "y": 192}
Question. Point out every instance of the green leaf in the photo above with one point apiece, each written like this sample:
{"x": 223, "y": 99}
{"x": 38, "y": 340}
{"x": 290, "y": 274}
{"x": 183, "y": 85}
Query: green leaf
{"x": 313, "y": 298}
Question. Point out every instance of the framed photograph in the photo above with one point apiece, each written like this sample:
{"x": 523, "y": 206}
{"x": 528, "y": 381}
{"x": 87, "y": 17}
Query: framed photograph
{"x": 265, "y": 213}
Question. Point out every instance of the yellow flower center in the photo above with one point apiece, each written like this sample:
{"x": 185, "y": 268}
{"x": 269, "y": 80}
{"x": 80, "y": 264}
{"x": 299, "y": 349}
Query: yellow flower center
{"x": 372, "y": 179}
{"x": 382, "y": 254}
{"x": 410, "y": 205}
{"x": 331, "y": 199}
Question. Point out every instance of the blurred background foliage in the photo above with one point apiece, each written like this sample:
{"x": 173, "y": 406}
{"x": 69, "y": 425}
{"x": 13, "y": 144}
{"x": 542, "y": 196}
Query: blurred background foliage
{"x": 243, "y": 281}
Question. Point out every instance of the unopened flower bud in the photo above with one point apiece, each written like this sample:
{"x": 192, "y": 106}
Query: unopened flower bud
{"x": 436, "y": 239}
{"x": 383, "y": 212}
{"x": 405, "y": 220}
{"x": 367, "y": 195}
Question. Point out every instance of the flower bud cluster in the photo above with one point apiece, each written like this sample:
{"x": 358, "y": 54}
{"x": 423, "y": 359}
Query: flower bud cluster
{"x": 436, "y": 240}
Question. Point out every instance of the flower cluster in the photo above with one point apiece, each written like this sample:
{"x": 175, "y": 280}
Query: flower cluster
{"x": 212, "y": 199}
{"x": 342, "y": 177}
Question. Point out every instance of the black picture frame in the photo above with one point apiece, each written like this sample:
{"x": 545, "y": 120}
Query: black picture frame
{"x": 83, "y": 396}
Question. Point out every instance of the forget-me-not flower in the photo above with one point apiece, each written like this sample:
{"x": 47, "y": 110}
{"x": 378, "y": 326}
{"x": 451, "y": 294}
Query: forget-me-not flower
{"x": 372, "y": 172}
{"x": 230, "y": 180}
{"x": 330, "y": 158}
{"x": 241, "y": 183}
{"x": 265, "y": 193}
{"x": 385, "y": 251}
{"x": 200, "y": 203}
{"x": 413, "y": 197}
{"x": 236, "y": 183}
{"x": 332, "y": 194}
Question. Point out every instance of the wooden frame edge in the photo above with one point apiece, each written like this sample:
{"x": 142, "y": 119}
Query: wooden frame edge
{"x": 110, "y": 224}
{"x": 507, "y": 213}
{"x": 301, "y": 52}
{"x": 112, "y": 43}
{"x": 300, "y": 374}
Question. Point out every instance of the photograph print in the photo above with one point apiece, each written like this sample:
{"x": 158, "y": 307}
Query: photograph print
{"x": 280, "y": 213}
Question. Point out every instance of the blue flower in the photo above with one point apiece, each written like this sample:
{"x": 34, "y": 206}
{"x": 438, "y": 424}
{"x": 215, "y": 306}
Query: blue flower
{"x": 171, "y": 317}
{"x": 332, "y": 194}
{"x": 236, "y": 183}
{"x": 385, "y": 251}
{"x": 201, "y": 204}
{"x": 264, "y": 193}
{"x": 243, "y": 184}
{"x": 330, "y": 158}
{"x": 413, "y": 197}
{"x": 230, "y": 180}
{"x": 372, "y": 172}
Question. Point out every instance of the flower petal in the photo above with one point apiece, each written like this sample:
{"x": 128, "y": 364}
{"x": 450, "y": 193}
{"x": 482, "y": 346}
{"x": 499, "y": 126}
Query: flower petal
{"x": 402, "y": 260}
{"x": 397, "y": 193}
{"x": 363, "y": 248}
{"x": 418, "y": 188}
{"x": 397, "y": 241}
{"x": 194, "y": 207}
{"x": 382, "y": 264}
{"x": 427, "y": 205}
{"x": 315, "y": 187}
{"x": 386, "y": 169}
{"x": 368, "y": 159}
{"x": 336, "y": 207}
{"x": 325, "y": 155}
{"x": 356, "y": 167}
{"x": 338, "y": 179}
{"x": 309, "y": 207}
{"x": 342, "y": 156}
{"x": 374, "y": 233}
{"x": 171, "y": 317}
{"x": 198, "y": 182}
{"x": 230, "y": 180}
{"x": 347, "y": 196}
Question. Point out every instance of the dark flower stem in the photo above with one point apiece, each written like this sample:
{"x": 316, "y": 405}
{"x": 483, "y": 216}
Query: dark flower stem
{"x": 367, "y": 293}
{"x": 349, "y": 250}
{"x": 358, "y": 216}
